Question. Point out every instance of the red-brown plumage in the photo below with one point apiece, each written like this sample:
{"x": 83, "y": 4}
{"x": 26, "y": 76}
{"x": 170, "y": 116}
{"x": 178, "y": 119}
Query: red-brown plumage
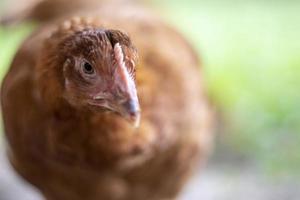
{"x": 71, "y": 149}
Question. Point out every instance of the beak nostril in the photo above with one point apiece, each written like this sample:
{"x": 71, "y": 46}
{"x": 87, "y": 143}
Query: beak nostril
{"x": 98, "y": 98}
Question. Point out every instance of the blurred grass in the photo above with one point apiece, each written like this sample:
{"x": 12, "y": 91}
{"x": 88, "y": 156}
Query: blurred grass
{"x": 250, "y": 51}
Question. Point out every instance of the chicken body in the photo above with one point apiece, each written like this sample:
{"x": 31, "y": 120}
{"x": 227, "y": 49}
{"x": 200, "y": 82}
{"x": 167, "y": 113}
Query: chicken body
{"x": 74, "y": 154}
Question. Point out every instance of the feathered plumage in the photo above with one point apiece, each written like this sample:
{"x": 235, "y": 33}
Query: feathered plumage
{"x": 74, "y": 92}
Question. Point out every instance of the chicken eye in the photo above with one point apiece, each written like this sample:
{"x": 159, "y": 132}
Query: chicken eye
{"x": 88, "y": 68}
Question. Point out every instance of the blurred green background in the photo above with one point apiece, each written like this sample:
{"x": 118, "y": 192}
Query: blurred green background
{"x": 251, "y": 55}
{"x": 251, "y": 59}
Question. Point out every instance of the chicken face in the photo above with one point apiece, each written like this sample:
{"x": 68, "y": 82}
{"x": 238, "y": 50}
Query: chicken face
{"x": 99, "y": 72}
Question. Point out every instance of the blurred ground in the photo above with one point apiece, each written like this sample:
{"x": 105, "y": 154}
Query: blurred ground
{"x": 220, "y": 180}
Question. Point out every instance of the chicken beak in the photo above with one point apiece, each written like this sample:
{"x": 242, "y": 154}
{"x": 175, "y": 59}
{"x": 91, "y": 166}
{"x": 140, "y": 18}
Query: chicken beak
{"x": 131, "y": 112}
{"x": 125, "y": 85}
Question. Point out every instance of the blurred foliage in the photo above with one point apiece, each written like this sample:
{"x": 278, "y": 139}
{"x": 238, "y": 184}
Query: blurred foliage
{"x": 250, "y": 51}
{"x": 10, "y": 39}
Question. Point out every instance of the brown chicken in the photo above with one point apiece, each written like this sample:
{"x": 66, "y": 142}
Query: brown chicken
{"x": 107, "y": 106}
